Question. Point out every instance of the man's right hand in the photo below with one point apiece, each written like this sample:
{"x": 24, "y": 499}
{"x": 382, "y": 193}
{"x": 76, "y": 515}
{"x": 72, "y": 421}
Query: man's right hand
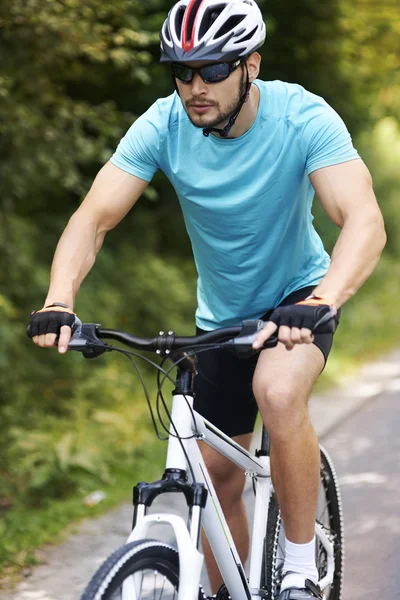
{"x": 50, "y": 324}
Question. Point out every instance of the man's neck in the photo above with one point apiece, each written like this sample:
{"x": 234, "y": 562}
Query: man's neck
{"x": 247, "y": 115}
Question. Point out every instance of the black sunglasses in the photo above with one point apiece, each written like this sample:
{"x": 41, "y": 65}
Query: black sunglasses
{"x": 209, "y": 73}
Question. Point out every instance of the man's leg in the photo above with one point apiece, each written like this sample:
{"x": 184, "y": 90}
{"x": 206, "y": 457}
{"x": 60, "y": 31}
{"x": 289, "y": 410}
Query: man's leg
{"x": 228, "y": 480}
{"x": 282, "y": 384}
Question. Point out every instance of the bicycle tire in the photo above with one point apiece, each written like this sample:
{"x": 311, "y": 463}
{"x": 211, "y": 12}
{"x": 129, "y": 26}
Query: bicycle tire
{"x": 274, "y": 539}
{"x": 141, "y": 556}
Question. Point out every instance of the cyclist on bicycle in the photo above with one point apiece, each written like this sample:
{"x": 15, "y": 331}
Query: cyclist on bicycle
{"x": 245, "y": 157}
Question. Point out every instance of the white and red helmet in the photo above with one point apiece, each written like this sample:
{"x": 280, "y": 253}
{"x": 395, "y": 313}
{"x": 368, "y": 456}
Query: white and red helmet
{"x": 211, "y": 30}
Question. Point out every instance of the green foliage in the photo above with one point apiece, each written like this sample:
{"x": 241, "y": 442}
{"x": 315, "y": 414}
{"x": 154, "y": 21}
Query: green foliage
{"x": 370, "y": 59}
{"x": 24, "y": 528}
{"x": 66, "y": 457}
{"x": 382, "y": 151}
{"x": 302, "y": 47}
{"x": 65, "y": 67}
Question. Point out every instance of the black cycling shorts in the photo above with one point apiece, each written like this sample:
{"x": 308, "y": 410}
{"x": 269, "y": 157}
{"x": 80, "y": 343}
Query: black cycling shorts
{"x": 223, "y": 386}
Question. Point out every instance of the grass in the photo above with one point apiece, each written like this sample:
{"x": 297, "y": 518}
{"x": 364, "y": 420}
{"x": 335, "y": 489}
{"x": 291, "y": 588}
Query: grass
{"x": 24, "y": 529}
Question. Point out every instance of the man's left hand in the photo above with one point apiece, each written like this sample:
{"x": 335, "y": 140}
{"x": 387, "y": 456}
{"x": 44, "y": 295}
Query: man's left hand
{"x": 297, "y": 322}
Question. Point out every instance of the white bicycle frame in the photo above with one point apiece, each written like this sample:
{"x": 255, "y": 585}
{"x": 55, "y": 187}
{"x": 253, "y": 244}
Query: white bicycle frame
{"x": 192, "y": 426}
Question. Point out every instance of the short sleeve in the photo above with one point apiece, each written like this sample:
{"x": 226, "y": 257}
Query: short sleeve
{"x": 324, "y": 138}
{"x": 139, "y": 150}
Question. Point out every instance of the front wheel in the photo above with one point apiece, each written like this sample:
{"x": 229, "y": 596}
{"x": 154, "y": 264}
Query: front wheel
{"x": 329, "y": 516}
{"x": 143, "y": 570}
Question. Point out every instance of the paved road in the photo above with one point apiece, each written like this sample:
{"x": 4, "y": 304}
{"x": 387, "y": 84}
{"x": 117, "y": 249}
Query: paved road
{"x": 359, "y": 426}
{"x": 366, "y": 452}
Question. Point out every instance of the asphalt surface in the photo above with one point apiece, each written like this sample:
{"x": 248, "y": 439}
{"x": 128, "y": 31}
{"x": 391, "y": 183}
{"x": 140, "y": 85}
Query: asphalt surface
{"x": 366, "y": 453}
{"x": 358, "y": 424}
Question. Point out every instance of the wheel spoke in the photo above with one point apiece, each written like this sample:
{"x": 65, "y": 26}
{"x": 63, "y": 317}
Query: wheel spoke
{"x": 162, "y": 589}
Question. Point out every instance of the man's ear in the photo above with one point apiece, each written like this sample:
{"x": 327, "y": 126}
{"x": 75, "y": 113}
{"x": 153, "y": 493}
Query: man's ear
{"x": 253, "y": 65}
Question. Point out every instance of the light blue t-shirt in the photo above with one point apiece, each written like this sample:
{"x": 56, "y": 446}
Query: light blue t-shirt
{"x": 246, "y": 201}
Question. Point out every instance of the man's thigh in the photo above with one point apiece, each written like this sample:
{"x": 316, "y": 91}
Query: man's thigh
{"x": 289, "y": 374}
{"x": 223, "y": 391}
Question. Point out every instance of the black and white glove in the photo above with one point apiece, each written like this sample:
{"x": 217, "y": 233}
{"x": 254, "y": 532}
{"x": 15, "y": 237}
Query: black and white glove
{"x": 314, "y": 313}
{"x": 50, "y": 319}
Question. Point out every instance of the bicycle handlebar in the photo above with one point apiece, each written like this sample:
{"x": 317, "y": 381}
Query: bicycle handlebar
{"x": 87, "y": 337}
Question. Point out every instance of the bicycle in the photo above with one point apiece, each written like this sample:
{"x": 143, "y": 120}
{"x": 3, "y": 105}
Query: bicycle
{"x": 144, "y": 566}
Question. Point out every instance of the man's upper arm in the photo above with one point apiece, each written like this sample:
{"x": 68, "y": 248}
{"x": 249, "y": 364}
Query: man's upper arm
{"x": 345, "y": 190}
{"x": 111, "y": 196}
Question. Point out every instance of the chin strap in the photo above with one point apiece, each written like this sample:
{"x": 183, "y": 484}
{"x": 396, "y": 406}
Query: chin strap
{"x": 225, "y": 131}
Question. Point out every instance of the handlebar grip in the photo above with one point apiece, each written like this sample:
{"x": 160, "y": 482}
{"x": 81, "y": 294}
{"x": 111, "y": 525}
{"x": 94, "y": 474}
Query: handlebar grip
{"x": 271, "y": 342}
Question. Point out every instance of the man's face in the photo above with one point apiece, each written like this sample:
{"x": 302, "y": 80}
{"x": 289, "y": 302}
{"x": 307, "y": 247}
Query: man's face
{"x": 210, "y": 104}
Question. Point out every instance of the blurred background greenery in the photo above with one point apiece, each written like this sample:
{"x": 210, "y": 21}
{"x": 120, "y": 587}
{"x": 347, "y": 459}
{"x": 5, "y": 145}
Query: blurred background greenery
{"x": 73, "y": 76}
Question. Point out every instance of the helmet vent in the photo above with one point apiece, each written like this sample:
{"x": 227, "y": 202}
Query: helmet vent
{"x": 167, "y": 34}
{"x": 230, "y": 24}
{"x": 249, "y": 35}
{"x": 210, "y": 15}
{"x": 178, "y": 21}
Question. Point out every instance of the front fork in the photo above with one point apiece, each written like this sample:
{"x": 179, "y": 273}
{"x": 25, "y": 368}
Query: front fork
{"x": 173, "y": 480}
{"x": 187, "y": 535}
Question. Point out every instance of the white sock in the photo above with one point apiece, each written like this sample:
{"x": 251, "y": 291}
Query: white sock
{"x": 300, "y": 559}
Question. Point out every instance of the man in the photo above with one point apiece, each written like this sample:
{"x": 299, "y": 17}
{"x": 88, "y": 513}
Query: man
{"x": 245, "y": 157}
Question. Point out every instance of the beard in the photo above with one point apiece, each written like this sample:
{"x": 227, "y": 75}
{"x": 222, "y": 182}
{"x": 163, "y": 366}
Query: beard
{"x": 207, "y": 121}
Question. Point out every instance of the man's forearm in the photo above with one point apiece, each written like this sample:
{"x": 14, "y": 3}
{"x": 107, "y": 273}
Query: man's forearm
{"x": 74, "y": 257}
{"x": 354, "y": 257}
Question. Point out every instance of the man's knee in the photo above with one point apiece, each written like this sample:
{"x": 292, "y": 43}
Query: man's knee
{"x": 278, "y": 397}
{"x": 283, "y": 406}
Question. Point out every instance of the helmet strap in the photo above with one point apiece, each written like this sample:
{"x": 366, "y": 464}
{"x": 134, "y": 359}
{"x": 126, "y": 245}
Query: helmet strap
{"x": 175, "y": 86}
{"x": 232, "y": 119}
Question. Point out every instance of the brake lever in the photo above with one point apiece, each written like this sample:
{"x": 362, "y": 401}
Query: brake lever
{"x": 84, "y": 339}
{"x": 242, "y": 345}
